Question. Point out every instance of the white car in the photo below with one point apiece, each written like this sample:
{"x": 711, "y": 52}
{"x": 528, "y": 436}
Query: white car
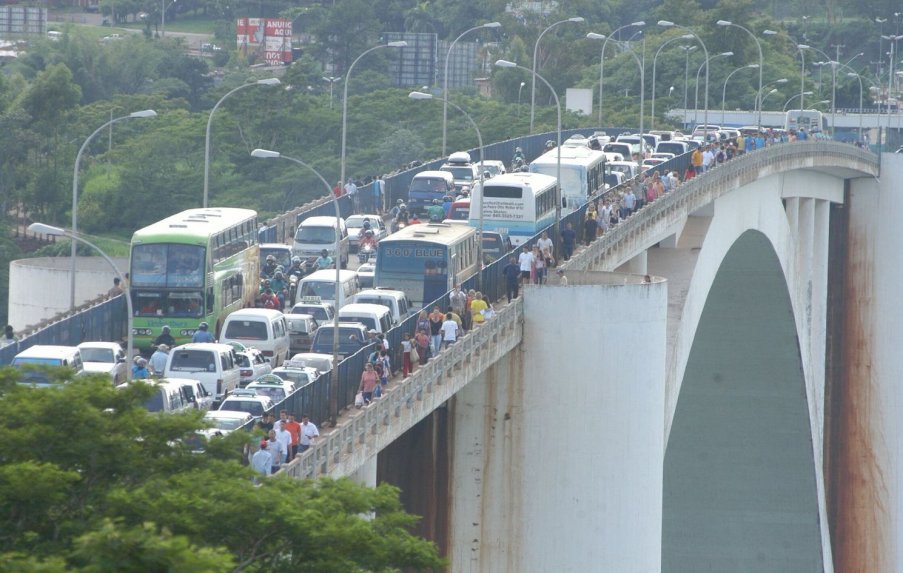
{"x": 104, "y": 358}
{"x": 366, "y": 274}
{"x": 494, "y": 167}
{"x": 275, "y": 387}
{"x": 355, "y": 225}
{"x": 247, "y": 401}
{"x": 300, "y": 376}
{"x": 195, "y": 392}
{"x": 224, "y": 422}
{"x": 320, "y": 362}
{"x": 252, "y": 364}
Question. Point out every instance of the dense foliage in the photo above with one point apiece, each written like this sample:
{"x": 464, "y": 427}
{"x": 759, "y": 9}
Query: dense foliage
{"x": 92, "y": 482}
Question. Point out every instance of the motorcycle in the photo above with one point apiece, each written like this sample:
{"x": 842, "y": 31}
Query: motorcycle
{"x": 364, "y": 253}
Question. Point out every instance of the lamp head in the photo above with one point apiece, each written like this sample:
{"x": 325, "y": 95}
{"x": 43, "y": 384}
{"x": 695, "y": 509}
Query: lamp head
{"x": 638, "y": 23}
{"x": 781, "y": 81}
{"x": 398, "y": 44}
{"x": 420, "y": 95}
{"x": 753, "y": 66}
{"x": 577, "y": 19}
{"x": 688, "y": 37}
{"x": 268, "y": 82}
{"x": 804, "y": 46}
{"x": 724, "y": 23}
{"x": 726, "y": 54}
{"x": 46, "y": 229}
{"x": 265, "y": 154}
{"x": 492, "y": 25}
{"x": 807, "y": 93}
{"x": 665, "y": 23}
{"x": 595, "y": 36}
{"x": 769, "y": 33}
{"x": 522, "y": 84}
{"x": 144, "y": 113}
{"x": 852, "y": 75}
{"x": 505, "y": 64}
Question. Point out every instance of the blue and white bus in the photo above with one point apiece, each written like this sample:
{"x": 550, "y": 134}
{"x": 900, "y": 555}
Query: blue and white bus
{"x": 519, "y": 204}
{"x": 426, "y": 260}
{"x": 582, "y": 173}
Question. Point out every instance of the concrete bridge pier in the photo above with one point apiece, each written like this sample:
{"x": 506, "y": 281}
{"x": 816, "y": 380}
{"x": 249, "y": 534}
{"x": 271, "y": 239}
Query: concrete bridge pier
{"x": 637, "y": 265}
{"x": 559, "y": 447}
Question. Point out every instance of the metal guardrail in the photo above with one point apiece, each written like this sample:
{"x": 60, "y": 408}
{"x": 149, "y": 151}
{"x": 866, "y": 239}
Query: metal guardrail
{"x": 610, "y": 251}
{"x": 370, "y": 429}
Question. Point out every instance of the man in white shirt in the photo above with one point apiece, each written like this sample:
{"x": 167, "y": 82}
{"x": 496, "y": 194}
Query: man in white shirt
{"x": 525, "y": 260}
{"x": 449, "y": 330}
{"x": 308, "y": 433}
{"x": 284, "y": 437}
{"x": 545, "y": 245}
{"x": 708, "y": 159}
{"x": 277, "y": 450}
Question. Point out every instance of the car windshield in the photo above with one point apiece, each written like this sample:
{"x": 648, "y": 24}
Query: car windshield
{"x": 226, "y": 423}
{"x": 318, "y": 312}
{"x": 243, "y": 360}
{"x": 275, "y": 393}
{"x": 493, "y": 244}
{"x": 299, "y": 377}
{"x": 252, "y": 407}
{"x": 97, "y": 355}
{"x": 357, "y": 222}
{"x": 464, "y": 173}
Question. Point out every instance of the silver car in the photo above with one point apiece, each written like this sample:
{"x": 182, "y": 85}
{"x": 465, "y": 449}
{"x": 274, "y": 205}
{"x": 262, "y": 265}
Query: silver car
{"x": 252, "y": 364}
{"x": 355, "y": 225}
{"x": 104, "y": 358}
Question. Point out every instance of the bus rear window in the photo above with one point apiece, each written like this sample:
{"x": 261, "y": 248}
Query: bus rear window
{"x": 247, "y": 330}
{"x": 503, "y": 192}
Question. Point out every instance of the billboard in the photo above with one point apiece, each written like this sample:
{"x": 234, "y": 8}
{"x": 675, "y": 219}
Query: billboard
{"x": 270, "y": 38}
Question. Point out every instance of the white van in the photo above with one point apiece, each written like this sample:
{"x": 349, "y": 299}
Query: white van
{"x": 373, "y": 316}
{"x": 263, "y": 328}
{"x": 321, "y": 284}
{"x": 395, "y": 300}
{"x": 212, "y": 364}
{"x": 169, "y": 397}
{"x": 316, "y": 234}
{"x": 32, "y": 358}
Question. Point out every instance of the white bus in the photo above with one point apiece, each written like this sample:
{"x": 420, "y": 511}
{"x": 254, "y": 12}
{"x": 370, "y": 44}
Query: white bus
{"x": 810, "y": 119}
{"x": 426, "y": 260}
{"x": 519, "y": 204}
{"x": 582, "y": 173}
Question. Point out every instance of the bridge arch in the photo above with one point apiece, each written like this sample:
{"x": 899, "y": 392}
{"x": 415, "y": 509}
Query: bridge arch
{"x": 741, "y": 487}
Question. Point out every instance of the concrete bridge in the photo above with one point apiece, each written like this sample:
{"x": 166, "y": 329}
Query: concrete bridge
{"x": 722, "y": 417}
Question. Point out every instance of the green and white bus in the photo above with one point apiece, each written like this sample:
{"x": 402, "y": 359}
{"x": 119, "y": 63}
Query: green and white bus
{"x": 195, "y": 266}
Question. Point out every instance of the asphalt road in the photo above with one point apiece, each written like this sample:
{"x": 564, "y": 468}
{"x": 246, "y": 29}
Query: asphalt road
{"x": 192, "y": 41}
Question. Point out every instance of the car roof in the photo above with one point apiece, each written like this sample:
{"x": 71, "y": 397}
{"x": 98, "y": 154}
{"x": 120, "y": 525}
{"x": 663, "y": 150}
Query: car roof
{"x": 246, "y": 313}
{"x": 362, "y": 307}
{"x": 47, "y": 351}
{"x": 230, "y": 414}
{"x": 274, "y": 246}
{"x": 107, "y": 345}
{"x": 203, "y": 346}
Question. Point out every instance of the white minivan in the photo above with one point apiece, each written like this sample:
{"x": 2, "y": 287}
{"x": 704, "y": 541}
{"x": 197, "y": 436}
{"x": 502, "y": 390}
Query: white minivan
{"x": 395, "y": 300}
{"x": 316, "y": 234}
{"x": 263, "y": 328}
{"x": 33, "y": 358}
{"x": 321, "y": 286}
{"x": 373, "y": 316}
{"x": 212, "y": 364}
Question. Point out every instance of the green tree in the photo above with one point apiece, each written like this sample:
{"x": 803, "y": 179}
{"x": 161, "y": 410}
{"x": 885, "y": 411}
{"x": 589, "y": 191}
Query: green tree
{"x": 112, "y": 487}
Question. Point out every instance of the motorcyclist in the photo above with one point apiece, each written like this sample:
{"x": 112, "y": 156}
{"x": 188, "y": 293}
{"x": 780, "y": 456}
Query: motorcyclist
{"x": 447, "y": 204}
{"x": 269, "y": 267}
{"x": 518, "y": 159}
{"x": 279, "y": 284}
{"x": 366, "y": 226}
{"x": 394, "y": 210}
{"x": 402, "y": 216}
{"x": 296, "y": 270}
{"x": 550, "y": 144}
{"x": 435, "y": 212}
{"x": 369, "y": 240}
{"x": 203, "y": 334}
{"x": 324, "y": 261}
{"x": 269, "y": 300}
{"x": 165, "y": 338}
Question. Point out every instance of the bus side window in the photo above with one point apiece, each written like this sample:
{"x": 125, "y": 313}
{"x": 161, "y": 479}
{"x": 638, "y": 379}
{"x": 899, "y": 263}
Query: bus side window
{"x": 209, "y": 300}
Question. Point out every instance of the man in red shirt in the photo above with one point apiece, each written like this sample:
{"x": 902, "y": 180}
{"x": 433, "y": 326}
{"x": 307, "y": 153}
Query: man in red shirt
{"x": 293, "y": 428}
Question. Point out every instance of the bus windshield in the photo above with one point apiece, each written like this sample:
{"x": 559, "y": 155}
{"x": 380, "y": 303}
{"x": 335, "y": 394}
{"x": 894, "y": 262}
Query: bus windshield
{"x": 168, "y": 265}
{"x": 409, "y": 257}
{"x": 168, "y": 303}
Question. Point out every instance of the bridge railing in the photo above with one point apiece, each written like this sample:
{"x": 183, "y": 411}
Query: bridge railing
{"x": 608, "y": 252}
{"x": 371, "y": 428}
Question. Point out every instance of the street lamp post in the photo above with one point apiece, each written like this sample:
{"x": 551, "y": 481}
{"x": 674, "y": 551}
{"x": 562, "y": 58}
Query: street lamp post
{"x": 78, "y": 158}
{"x": 576, "y": 20}
{"x": 802, "y": 50}
{"x": 669, "y": 24}
{"x": 58, "y": 232}
{"x": 687, "y": 50}
{"x": 264, "y": 82}
{"x": 858, "y": 77}
{"x": 332, "y": 82}
{"x": 891, "y": 69}
{"x": 793, "y": 97}
{"x": 594, "y": 36}
{"x": 728, "y": 23}
{"x": 334, "y": 380}
{"x": 760, "y": 98}
{"x": 699, "y": 72}
{"x": 556, "y": 228}
{"x": 724, "y": 89}
{"x": 880, "y": 22}
{"x": 489, "y": 25}
{"x": 420, "y": 96}
{"x": 654, "y": 61}
{"x": 762, "y": 103}
{"x": 519, "y": 90}
{"x": 398, "y": 44}
{"x": 641, "y": 64}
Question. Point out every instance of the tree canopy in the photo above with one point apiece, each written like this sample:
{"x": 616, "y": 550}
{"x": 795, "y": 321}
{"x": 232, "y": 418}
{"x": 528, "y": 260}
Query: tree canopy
{"x": 92, "y": 483}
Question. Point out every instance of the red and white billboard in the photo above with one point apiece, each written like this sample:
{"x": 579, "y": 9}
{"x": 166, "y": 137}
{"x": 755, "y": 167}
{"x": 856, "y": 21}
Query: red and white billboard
{"x": 269, "y": 37}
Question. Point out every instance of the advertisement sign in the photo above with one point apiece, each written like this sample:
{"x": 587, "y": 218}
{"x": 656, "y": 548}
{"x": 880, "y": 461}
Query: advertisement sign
{"x": 271, "y": 38}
